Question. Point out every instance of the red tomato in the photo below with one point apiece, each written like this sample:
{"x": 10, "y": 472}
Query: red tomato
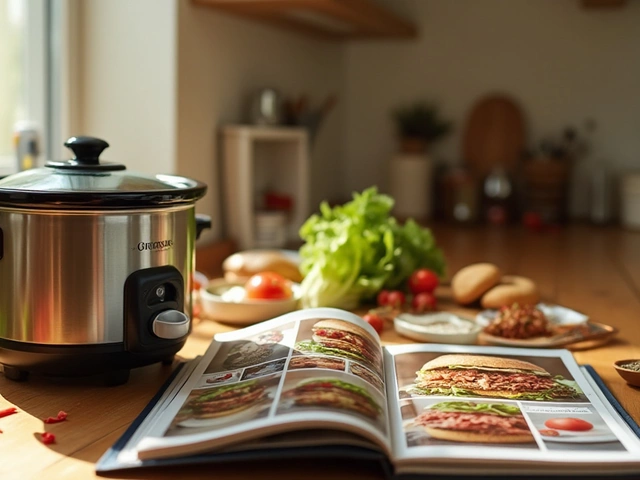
{"x": 424, "y": 302}
{"x": 571, "y": 424}
{"x": 383, "y": 298}
{"x": 375, "y": 320}
{"x": 268, "y": 286}
{"x": 423, "y": 280}
{"x": 396, "y": 299}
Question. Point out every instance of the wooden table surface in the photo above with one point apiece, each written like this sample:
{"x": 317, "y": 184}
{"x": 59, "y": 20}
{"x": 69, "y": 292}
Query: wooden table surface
{"x": 591, "y": 269}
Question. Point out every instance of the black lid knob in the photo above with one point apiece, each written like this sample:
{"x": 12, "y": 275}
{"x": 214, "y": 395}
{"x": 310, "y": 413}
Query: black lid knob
{"x": 87, "y": 150}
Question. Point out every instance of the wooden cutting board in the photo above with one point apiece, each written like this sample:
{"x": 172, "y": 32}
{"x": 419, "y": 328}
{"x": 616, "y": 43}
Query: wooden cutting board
{"x": 494, "y": 135}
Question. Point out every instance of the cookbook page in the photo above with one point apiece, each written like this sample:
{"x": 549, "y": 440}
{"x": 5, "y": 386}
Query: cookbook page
{"x": 505, "y": 409}
{"x": 314, "y": 368}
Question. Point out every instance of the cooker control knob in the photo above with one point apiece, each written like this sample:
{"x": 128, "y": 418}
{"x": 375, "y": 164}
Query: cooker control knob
{"x": 170, "y": 324}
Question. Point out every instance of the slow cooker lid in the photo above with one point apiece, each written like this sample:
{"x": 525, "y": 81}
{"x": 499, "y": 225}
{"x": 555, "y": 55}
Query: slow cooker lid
{"x": 86, "y": 182}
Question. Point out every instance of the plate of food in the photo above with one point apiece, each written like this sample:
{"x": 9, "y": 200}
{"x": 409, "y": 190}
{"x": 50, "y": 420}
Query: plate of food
{"x": 246, "y": 303}
{"x": 439, "y": 327}
{"x": 222, "y": 377}
{"x": 246, "y": 354}
{"x": 541, "y": 325}
{"x": 264, "y": 369}
{"x": 575, "y": 430}
{"x": 556, "y": 314}
{"x": 595, "y": 437}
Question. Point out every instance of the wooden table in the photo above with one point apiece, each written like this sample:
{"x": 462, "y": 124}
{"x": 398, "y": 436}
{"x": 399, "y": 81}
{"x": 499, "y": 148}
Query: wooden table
{"x": 594, "y": 270}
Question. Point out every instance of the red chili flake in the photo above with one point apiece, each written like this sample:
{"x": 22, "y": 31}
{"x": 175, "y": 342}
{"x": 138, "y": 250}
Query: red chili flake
{"x": 48, "y": 438}
{"x": 8, "y": 411}
{"x": 62, "y": 416}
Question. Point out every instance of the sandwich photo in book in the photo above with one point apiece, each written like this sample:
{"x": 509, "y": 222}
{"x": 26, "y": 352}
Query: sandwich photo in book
{"x": 498, "y": 401}
{"x": 320, "y": 377}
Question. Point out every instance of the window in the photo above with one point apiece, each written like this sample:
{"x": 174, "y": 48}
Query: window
{"x": 24, "y": 27}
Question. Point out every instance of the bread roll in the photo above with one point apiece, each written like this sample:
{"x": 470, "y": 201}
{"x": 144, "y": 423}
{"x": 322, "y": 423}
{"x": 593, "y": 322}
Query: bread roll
{"x": 472, "y": 281}
{"x": 511, "y": 289}
{"x": 240, "y": 266}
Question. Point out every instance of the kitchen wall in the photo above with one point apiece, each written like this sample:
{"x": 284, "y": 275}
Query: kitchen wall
{"x": 561, "y": 62}
{"x": 158, "y": 78}
{"x": 221, "y": 61}
{"x": 127, "y": 80}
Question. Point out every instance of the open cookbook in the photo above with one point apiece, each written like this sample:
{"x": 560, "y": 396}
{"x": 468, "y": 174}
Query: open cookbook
{"x": 319, "y": 377}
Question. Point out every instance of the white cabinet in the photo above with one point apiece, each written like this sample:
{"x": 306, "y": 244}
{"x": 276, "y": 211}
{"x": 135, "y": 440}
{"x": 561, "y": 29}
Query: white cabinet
{"x": 257, "y": 160}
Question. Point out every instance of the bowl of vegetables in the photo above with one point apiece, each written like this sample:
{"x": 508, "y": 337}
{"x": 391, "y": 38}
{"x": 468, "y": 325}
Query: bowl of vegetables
{"x": 265, "y": 295}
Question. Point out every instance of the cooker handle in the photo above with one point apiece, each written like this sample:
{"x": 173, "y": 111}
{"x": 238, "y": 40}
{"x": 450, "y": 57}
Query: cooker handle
{"x": 202, "y": 222}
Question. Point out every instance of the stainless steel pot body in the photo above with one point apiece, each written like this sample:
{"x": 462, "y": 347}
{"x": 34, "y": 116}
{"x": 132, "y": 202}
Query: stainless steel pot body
{"x": 63, "y": 273}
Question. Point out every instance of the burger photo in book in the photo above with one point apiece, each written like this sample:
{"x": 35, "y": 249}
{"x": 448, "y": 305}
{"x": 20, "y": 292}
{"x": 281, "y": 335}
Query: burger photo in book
{"x": 366, "y": 374}
{"x": 225, "y": 405}
{"x": 436, "y": 422}
{"x": 337, "y": 338}
{"x": 468, "y": 375}
{"x": 317, "y": 361}
{"x": 333, "y": 391}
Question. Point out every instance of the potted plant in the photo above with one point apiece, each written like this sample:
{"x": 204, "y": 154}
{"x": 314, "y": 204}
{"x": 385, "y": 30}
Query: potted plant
{"x": 419, "y": 125}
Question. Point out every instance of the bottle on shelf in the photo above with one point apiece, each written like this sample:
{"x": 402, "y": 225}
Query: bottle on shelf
{"x": 498, "y": 196}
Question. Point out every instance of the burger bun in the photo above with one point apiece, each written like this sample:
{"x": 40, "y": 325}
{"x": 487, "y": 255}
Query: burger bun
{"x": 240, "y": 266}
{"x": 225, "y": 413}
{"x": 480, "y": 361}
{"x": 476, "y": 437}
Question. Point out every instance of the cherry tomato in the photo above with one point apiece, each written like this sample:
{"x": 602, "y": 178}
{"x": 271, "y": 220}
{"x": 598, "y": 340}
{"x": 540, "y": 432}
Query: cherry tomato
{"x": 375, "y": 320}
{"x": 571, "y": 424}
{"x": 423, "y": 280}
{"x": 383, "y": 298}
{"x": 396, "y": 299}
{"x": 424, "y": 302}
{"x": 268, "y": 286}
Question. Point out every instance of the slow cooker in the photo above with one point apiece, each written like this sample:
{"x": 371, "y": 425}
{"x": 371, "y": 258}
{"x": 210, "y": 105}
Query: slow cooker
{"x": 96, "y": 266}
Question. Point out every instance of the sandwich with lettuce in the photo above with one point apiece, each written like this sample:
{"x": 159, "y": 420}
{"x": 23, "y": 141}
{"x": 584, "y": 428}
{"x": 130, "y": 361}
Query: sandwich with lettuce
{"x": 334, "y": 393}
{"x": 475, "y": 422}
{"x": 463, "y": 375}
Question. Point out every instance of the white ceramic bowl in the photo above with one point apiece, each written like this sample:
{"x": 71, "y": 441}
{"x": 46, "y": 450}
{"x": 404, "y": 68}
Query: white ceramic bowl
{"x": 225, "y": 302}
{"x": 439, "y": 327}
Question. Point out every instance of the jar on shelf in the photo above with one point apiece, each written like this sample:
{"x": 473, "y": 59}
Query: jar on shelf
{"x": 271, "y": 229}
